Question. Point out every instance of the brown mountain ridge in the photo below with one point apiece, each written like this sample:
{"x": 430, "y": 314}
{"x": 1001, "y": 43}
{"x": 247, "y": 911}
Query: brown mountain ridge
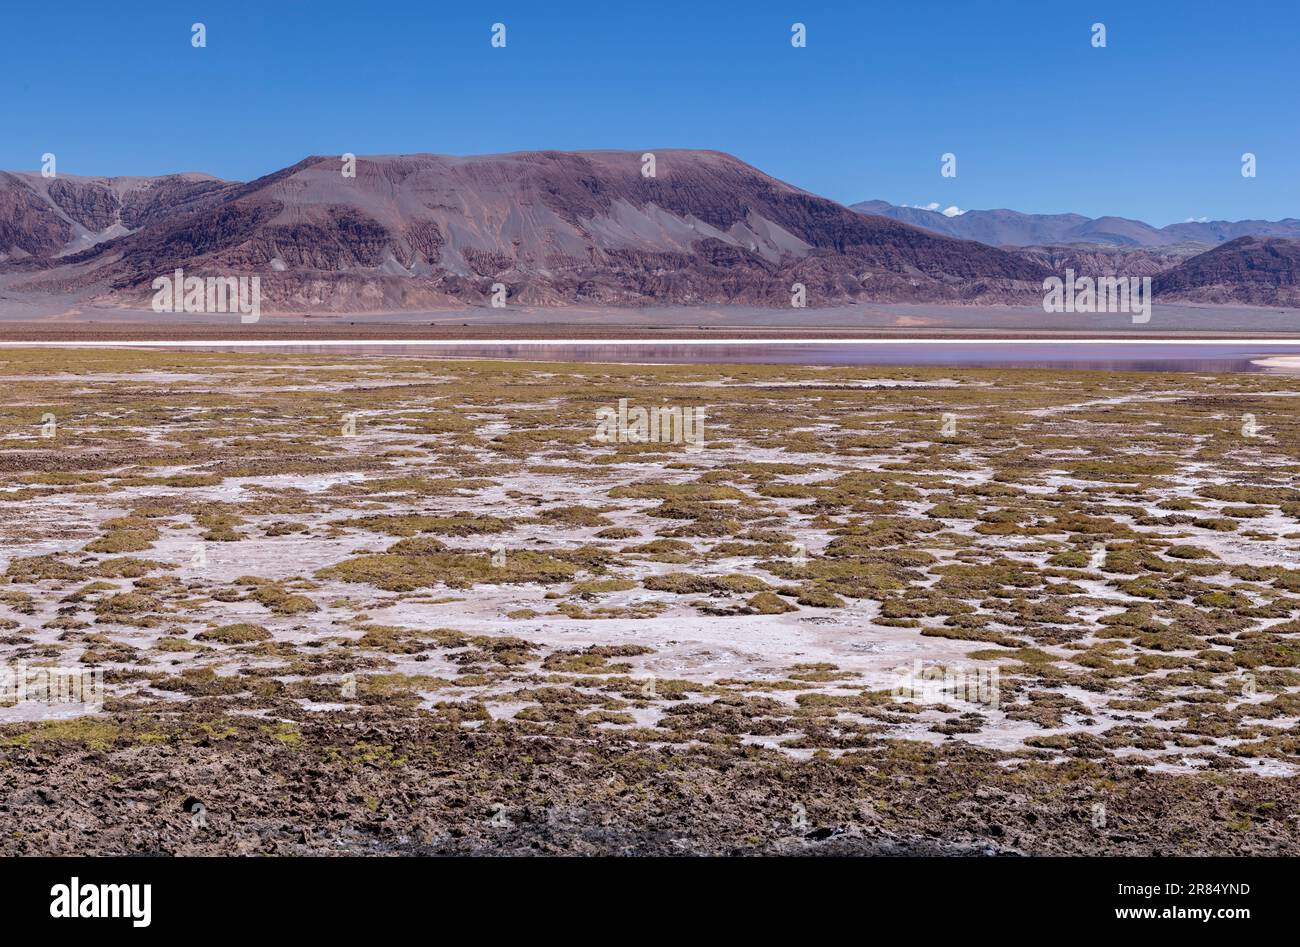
{"x": 554, "y": 227}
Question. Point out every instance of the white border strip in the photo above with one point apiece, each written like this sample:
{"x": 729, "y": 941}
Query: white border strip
{"x": 305, "y": 343}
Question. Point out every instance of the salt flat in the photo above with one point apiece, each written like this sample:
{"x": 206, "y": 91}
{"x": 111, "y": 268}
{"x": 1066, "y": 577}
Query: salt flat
{"x": 291, "y": 552}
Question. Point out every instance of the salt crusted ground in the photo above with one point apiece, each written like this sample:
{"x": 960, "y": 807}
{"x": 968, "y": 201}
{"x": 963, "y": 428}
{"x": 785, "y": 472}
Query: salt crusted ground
{"x": 414, "y": 606}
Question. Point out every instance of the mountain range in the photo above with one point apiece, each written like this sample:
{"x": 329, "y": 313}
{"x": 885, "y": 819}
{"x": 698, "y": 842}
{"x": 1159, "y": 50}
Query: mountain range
{"x": 557, "y": 228}
{"x": 418, "y": 231}
{"x": 1014, "y": 229}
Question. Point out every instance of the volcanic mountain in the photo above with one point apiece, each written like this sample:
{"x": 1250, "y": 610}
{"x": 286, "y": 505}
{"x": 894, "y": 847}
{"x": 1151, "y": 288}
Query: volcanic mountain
{"x": 553, "y": 228}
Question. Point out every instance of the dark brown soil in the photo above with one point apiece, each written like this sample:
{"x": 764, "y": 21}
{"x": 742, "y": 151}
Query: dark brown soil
{"x": 345, "y": 784}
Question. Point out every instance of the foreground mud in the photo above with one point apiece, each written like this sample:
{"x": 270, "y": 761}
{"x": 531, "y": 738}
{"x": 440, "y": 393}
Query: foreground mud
{"x": 361, "y": 784}
{"x": 415, "y": 606}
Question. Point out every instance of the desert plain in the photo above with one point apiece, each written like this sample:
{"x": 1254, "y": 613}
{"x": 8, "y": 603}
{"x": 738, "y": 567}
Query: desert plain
{"x": 361, "y": 604}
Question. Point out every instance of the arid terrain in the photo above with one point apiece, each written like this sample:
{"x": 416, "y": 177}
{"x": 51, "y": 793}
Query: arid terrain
{"x": 365, "y": 604}
{"x": 439, "y": 231}
{"x": 560, "y": 229}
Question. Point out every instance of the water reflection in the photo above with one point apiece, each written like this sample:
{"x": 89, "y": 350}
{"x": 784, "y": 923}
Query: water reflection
{"x": 1116, "y": 357}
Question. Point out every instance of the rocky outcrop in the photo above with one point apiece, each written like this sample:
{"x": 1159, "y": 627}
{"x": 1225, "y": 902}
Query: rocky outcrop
{"x": 51, "y": 218}
{"x": 28, "y": 226}
{"x": 93, "y": 206}
{"x": 1098, "y": 260}
{"x": 1257, "y": 271}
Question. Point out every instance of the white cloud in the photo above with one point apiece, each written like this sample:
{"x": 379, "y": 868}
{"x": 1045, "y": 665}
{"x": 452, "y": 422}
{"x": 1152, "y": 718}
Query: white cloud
{"x": 933, "y": 205}
{"x": 1198, "y": 220}
{"x": 953, "y": 211}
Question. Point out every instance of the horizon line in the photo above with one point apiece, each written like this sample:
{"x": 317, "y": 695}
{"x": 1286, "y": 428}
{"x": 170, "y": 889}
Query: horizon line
{"x": 253, "y": 343}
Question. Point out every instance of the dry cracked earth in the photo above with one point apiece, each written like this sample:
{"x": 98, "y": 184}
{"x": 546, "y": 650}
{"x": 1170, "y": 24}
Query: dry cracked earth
{"x": 397, "y": 605}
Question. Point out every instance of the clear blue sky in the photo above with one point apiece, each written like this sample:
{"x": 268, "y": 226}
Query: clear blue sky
{"x": 1151, "y": 127}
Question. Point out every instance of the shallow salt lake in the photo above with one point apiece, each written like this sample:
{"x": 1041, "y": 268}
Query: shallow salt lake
{"x": 1128, "y": 356}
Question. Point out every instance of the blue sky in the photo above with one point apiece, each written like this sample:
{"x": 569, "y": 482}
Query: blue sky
{"x": 1153, "y": 126}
